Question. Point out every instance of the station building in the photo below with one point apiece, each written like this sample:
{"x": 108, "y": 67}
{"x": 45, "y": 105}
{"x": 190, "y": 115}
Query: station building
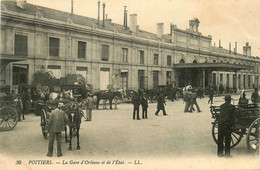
{"x": 105, "y": 53}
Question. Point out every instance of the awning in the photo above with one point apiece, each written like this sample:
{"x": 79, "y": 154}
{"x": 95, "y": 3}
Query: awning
{"x": 8, "y": 58}
{"x": 212, "y": 66}
{"x": 123, "y": 70}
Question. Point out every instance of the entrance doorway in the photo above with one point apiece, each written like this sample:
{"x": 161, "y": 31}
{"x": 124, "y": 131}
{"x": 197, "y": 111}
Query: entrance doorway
{"x": 104, "y": 78}
{"x": 20, "y": 75}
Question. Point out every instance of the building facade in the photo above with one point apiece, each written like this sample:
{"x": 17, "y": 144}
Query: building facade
{"x": 105, "y": 53}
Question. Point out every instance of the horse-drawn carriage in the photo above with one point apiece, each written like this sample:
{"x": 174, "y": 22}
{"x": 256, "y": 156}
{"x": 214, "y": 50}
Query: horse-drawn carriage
{"x": 8, "y": 112}
{"x": 247, "y": 122}
{"x": 74, "y": 113}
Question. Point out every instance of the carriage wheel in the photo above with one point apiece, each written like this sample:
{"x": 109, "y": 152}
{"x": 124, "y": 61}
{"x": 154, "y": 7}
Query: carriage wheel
{"x": 8, "y": 118}
{"x": 252, "y": 137}
{"x": 236, "y": 135}
{"x": 44, "y": 123}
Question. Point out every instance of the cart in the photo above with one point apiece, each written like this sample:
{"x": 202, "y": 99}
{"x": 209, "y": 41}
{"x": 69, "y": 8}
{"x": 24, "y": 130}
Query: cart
{"x": 247, "y": 122}
{"x": 8, "y": 113}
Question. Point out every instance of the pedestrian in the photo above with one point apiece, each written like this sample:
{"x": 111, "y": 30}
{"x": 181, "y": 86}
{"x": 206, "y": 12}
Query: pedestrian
{"x": 194, "y": 101}
{"x": 225, "y": 123}
{"x": 221, "y": 88}
{"x": 255, "y": 98}
{"x": 26, "y": 98}
{"x": 19, "y": 106}
{"x": 89, "y": 107}
{"x": 144, "y": 103}
{"x": 56, "y": 124}
{"x": 187, "y": 99}
{"x": 160, "y": 105}
{"x": 211, "y": 94}
{"x": 243, "y": 101}
{"x": 136, "y": 103}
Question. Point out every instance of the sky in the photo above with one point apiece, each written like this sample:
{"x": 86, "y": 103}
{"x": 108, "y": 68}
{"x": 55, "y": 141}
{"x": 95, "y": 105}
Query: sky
{"x": 228, "y": 20}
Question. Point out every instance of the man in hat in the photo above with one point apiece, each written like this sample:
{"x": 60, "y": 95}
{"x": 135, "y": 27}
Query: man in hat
{"x": 225, "y": 123}
{"x": 56, "y": 124}
{"x": 89, "y": 107}
{"x": 160, "y": 105}
{"x": 255, "y": 97}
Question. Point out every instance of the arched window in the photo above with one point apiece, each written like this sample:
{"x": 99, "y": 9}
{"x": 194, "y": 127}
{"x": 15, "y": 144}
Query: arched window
{"x": 181, "y": 61}
{"x": 195, "y": 61}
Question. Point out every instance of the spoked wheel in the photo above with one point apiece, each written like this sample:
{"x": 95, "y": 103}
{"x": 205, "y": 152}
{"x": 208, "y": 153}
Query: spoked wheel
{"x": 44, "y": 123}
{"x": 252, "y": 137}
{"x": 8, "y": 118}
{"x": 236, "y": 135}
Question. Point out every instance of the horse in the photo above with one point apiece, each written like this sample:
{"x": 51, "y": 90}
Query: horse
{"x": 74, "y": 113}
{"x": 106, "y": 95}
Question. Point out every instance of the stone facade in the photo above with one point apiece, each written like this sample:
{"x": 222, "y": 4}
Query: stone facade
{"x": 119, "y": 55}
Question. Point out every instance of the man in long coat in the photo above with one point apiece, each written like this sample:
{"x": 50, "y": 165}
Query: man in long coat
{"x": 56, "y": 124}
{"x": 225, "y": 123}
{"x": 160, "y": 105}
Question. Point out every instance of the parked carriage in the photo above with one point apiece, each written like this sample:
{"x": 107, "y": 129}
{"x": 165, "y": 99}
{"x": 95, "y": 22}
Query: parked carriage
{"x": 247, "y": 122}
{"x": 74, "y": 113}
{"x": 8, "y": 112}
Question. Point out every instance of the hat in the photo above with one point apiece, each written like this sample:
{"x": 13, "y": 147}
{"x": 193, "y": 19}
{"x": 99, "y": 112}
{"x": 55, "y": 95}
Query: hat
{"x": 227, "y": 97}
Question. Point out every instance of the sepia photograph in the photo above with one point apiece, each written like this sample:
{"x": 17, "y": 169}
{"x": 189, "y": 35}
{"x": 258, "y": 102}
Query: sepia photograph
{"x": 129, "y": 84}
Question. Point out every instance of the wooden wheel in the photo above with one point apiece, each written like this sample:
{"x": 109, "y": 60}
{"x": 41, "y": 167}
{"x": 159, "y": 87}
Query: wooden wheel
{"x": 8, "y": 118}
{"x": 44, "y": 123}
{"x": 252, "y": 137}
{"x": 236, "y": 135}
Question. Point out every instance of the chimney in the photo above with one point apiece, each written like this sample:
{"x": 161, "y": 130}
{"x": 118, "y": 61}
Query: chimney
{"x": 247, "y": 50}
{"x": 235, "y": 49}
{"x": 229, "y": 48}
{"x": 98, "y": 13}
{"x": 71, "y": 7}
{"x": 125, "y": 18}
{"x": 133, "y": 22}
{"x": 219, "y": 43}
{"x": 159, "y": 30}
{"x": 21, "y": 3}
{"x": 103, "y": 14}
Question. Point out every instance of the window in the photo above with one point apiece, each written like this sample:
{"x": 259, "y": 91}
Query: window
{"x": 125, "y": 55}
{"x": 155, "y": 79}
{"x": 54, "y": 45}
{"x": 239, "y": 81}
{"x": 249, "y": 81}
{"x": 81, "y": 49}
{"x": 221, "y": 78}
{"x": 214, "y": 78}
{"x": 234, "y": 80}
{"x": 214, "y": 61}
{"x": 21, "y": 45}
{"x": 82, "y": 71}
{"x": 156, "y": 59}
{"x": 55, "y": 70}
{"x": 141, "y": 53}
{"x": 141, "y": 79}
{"x": 244, "y": 81}
{"x": 105, "y": 53}
{"x": 227, "y": 80}
{"x": 124, "y": 80}
{"x": 169, "y": 60}
{"x": 168, "y": 77}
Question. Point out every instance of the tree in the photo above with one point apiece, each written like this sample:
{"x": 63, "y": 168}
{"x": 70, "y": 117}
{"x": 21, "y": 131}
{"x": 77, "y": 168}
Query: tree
{"x": 43, "y": 77}
{"x": 75, "y": 79}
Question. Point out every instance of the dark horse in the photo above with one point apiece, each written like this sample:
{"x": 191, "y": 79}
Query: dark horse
{"x": 106, "y": 95}
{"x": 74, "y": 113}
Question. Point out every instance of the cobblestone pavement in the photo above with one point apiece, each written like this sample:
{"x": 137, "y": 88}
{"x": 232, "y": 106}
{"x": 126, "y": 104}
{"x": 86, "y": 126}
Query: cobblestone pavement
{"x": 179, "y": 140}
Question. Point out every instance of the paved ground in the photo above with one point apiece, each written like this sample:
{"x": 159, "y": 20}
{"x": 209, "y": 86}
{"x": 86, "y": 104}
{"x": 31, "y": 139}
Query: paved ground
{"x": 179, "y": 140}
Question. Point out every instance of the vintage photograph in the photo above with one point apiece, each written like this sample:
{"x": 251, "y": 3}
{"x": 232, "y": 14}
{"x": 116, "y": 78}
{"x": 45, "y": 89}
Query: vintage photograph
{"x": 129, "y": 84}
